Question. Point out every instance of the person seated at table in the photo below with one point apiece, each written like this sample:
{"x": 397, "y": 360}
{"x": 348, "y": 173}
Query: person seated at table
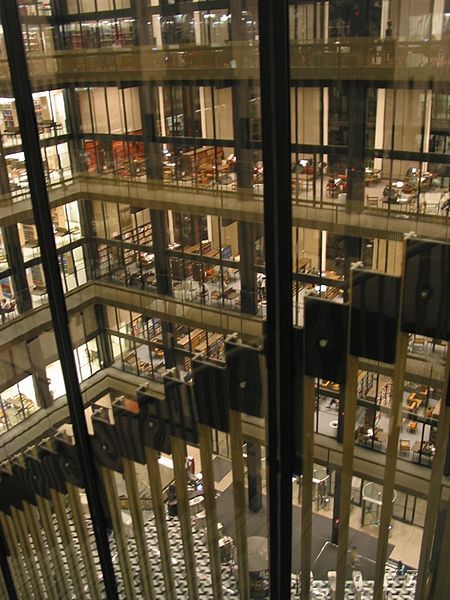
{"x": 133, "y": 280}
{"x": 6, "y": 306}
{"x": 363, "y": 433}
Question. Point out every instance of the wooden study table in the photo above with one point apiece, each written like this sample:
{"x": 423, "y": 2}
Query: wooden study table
{"x": 437, "y": 409}
{"x": 230, "y": 295}
{"x": 414, "y": 402}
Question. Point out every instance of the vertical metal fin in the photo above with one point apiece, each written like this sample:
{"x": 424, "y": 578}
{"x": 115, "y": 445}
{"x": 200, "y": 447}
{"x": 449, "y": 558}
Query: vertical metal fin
{"x": 154, "y": 478}
{"x": 35, "y": 530}
{"x": 129, "y": 475}
{"x": 83, "y": 538}
{"x": 116, "y": 518}
{"x": 66, "y": 537}
{"x": 178, "y": 454}
{"x": 18, "y": 520}
{"x": 209, "y": 494}
{"x": 240, "y": 514}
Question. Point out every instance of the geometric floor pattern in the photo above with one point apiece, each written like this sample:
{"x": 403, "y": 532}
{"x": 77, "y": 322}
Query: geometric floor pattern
{"x": 397, "y": 588}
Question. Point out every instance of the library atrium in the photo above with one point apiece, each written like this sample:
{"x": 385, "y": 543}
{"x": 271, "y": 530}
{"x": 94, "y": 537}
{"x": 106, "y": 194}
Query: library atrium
{"x": 224, "y": 267}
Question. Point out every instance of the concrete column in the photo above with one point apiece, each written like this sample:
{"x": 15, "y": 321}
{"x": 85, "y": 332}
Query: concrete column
{"x": 326, "y": 18}
{"x": 247, "y": 239}
{"x": 427, "y": 125}
{"x": 89, "y": 248}
{"x": 44, "y": 396}
{"x": 379, "y": 125}
{"x": 325, "y": 117}
{"x": 198, "y": 29}
{"x": 437, "y": 18}
{"x": 384, "y": 18}
{"x": 105, "y": 348}
{"x": 323, "y": 253}
{"x": 352, "y": 254}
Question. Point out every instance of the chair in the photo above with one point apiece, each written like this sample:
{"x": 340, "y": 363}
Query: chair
{"x": 419, "y": 340}
{"x": 405, "y": 447}
{"x": 372, "y": 201}
{"x": 412, "y": 426}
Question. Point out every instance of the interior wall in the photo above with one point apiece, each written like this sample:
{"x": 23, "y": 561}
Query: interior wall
{"x": 223, "y": 107}
{"x": 407, "y": 108}
{"x": 308, "y": 115}
{"x": 391, "y": 249}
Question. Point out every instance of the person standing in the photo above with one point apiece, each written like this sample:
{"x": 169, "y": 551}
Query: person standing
{"x": 401, "y": 569}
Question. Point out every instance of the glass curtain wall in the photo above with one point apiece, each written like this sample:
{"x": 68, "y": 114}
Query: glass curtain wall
{"x": 150, "y": 129}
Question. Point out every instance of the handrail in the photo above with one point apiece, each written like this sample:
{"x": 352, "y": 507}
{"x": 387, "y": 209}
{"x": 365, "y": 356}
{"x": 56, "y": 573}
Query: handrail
{"x": 342, "y": 53}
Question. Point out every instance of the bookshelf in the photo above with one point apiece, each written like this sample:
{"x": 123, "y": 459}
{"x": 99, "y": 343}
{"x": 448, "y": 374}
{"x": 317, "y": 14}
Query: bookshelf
{"x": 191, "y": 343}
{"x": 184, "y": 267}
{"x": 200, "y": 159}
{"x": 365, "y": 383}
{"x": 9, "y": 115}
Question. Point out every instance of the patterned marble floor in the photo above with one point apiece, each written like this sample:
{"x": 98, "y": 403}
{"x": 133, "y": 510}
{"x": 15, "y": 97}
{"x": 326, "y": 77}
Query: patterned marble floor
{"x": 396, "y": 588}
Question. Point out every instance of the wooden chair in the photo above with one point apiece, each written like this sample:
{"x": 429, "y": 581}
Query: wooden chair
{"x": 215, "y": 296}
{"x": 419, "y": 341}
{"x": 412, "y": 426}
{"x": 405, "y": 447}
{"x": 372, "y": 201}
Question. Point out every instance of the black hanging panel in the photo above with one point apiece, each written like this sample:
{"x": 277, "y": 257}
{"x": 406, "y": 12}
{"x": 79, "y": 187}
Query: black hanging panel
{"x": 374, "y": 315}
{"x": 154, "y": 422}
{"x": 38, "y": 474}
{"x": 326, "y": 326}
{"x": 211, "y": 394}
{"x": 426, "y": 298}
{"x": 69, "y": 462}
{"x": 182, "y": 413}
{"x": 127, "y": 424}
{"x": 51, "y": 466}
{"x": 9, "y": 492}
{"x": 24, "y": 481}
{"x": 105, "y": 444}
{"x": 244, "y": 378}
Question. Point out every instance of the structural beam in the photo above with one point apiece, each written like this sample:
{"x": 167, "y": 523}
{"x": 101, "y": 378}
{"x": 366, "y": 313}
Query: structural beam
{"x": 275, "y": 108}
